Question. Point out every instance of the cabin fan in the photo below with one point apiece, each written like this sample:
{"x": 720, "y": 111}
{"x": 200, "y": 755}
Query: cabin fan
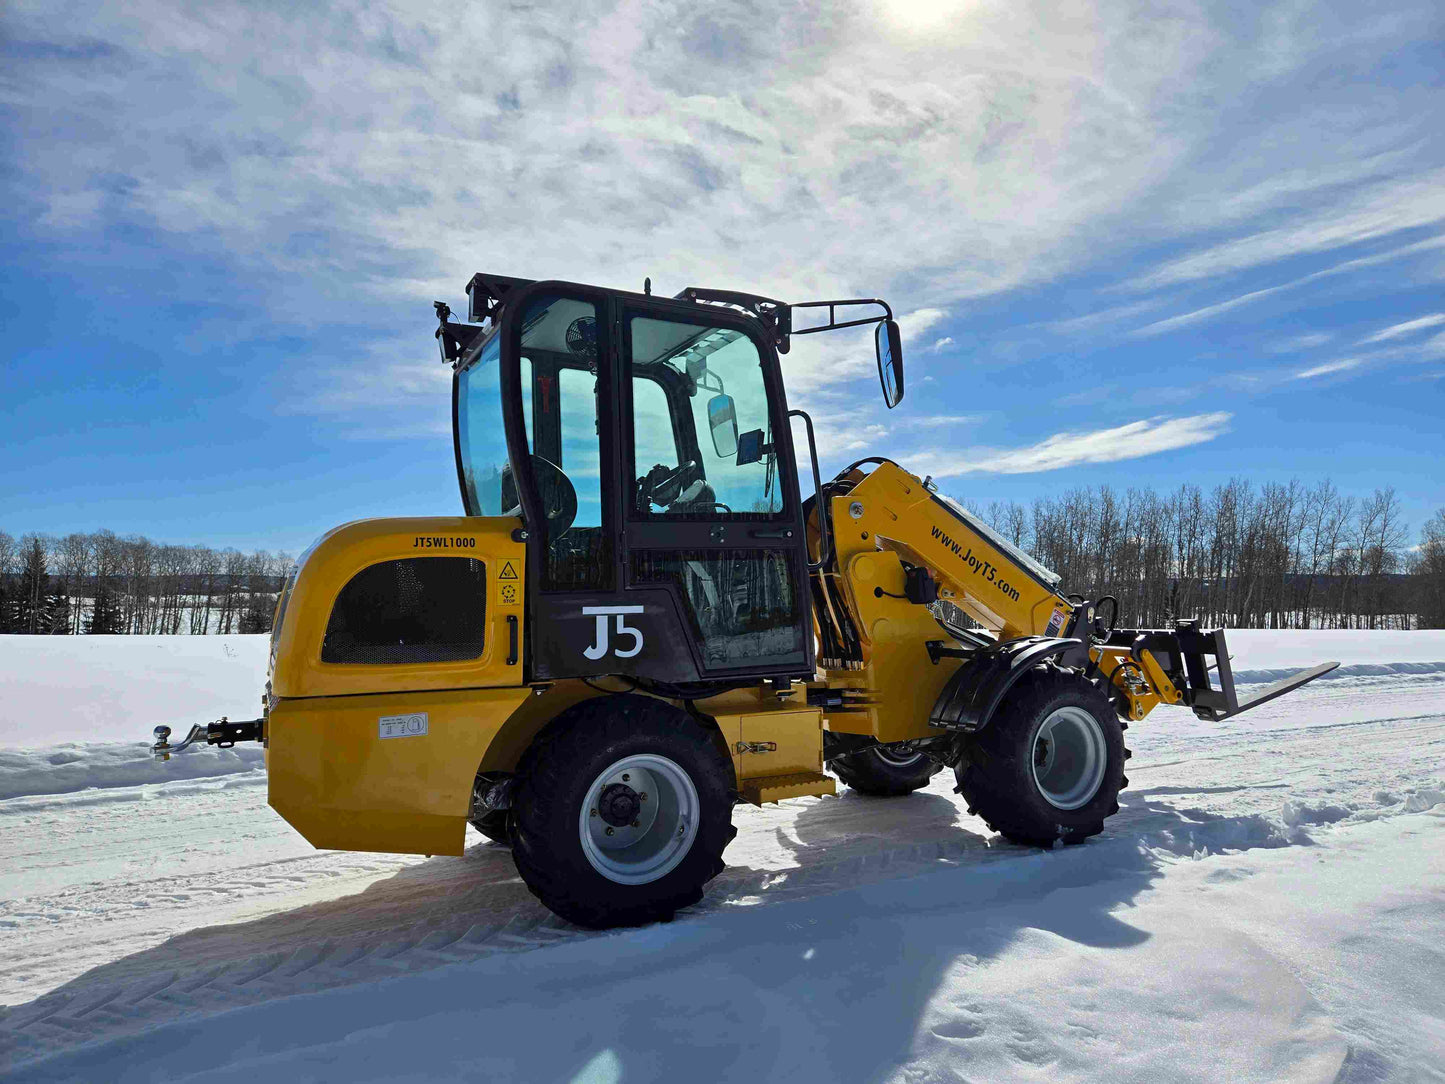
{"x": 582, "y": 337}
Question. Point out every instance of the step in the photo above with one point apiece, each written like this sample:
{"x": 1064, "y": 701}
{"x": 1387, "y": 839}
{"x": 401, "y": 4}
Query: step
{"x": 777, "y": 787}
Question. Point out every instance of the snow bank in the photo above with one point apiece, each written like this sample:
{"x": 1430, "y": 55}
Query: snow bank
{"x": 1286, "y": 650}
{"x": 1355, "y": 670}
{"x": 57, "y": 689}
{"x": 62, "y": 769}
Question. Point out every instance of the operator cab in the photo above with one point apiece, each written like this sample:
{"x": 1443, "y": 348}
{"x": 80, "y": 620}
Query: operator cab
{"x": 645, "y": 444}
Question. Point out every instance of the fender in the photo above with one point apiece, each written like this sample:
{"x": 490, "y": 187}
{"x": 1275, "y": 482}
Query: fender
{"x": 972, "y": 695}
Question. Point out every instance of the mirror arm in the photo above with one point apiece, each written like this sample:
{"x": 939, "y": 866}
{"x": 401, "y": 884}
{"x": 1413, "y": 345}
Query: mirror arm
{"x": 832, "y": 307}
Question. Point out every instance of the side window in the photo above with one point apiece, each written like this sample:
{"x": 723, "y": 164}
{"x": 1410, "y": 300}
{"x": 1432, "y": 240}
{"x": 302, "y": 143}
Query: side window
{"x": 418, "y": 609}
{"x": 702, "y": 440}
{"x": 560, "y": 371}
{"x": 481, "y": 444}
{"x": 581, "y": 458}
{"x": 653, "y": 439}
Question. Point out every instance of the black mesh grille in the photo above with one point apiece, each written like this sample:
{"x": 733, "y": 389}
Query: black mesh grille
{"x": 420, "y": 609}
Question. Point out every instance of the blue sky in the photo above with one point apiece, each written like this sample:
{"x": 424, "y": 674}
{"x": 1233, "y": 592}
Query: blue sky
{"x": 1139, "y": 244}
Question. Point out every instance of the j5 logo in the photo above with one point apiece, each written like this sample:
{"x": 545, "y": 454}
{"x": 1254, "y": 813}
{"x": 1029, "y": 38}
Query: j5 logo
{"x": 602, "y": 613}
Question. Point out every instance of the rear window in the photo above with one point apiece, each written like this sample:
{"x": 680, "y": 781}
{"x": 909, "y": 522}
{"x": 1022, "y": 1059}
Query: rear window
{"x": 419, "y": 609}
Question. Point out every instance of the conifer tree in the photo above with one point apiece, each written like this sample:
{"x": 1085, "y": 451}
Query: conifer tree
{"x": 8, "y": 553}
{"x": 32, "y": 611}
{"x": 105, "y": 617}
{"x": 57, "y": 610}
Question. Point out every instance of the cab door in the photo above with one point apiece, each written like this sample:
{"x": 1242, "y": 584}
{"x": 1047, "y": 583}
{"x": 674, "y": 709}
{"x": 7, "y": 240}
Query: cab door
{"x": 664, "y": 534}
{"x": 710, "y": 504}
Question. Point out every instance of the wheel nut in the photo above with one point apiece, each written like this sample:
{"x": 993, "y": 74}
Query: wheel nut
{"x": 594, "y": 813}
{"x": 637, "y": 824}
{"x": 642, "y": 797}
{"x": 625, "y": 777}
{"x": 609, "y": 831}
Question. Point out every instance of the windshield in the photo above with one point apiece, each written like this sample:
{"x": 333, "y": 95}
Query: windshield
{"x": 481, "y": 443}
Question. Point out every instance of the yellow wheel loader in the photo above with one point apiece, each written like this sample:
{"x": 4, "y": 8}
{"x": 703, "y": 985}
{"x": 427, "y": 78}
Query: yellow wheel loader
{"x": 641, "y": 620}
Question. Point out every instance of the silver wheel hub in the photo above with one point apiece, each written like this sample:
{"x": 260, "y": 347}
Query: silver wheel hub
{"x": 898, "y": 758}
{"x": 639, "y": 819}
{"x": 1070, "y": 757}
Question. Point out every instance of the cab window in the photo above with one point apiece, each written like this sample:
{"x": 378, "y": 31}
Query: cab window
{"x": 702, "y": 436}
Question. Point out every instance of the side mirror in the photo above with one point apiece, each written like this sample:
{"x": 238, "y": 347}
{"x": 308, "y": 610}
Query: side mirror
{"x": 888, "y": 344}
{"x": 722, "y": 419}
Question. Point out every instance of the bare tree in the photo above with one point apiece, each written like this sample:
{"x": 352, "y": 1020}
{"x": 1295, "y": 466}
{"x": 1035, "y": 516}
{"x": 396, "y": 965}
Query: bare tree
{"x": 1429, "y": 572}
{"x": 72, "y": 558}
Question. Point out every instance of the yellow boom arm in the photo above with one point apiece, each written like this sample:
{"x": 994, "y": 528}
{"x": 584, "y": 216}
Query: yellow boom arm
{"x": 878, "y": 637}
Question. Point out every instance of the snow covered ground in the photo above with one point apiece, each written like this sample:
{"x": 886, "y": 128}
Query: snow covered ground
{"x": 1269, "y": 905}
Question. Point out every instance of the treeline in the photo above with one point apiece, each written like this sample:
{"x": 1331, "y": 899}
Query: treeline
{"x": 1282, "y": 555}
{"x": 100, "y": 583}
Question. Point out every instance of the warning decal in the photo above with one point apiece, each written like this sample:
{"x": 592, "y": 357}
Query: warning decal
{"x": 508, "y": 572}
{"x": 413, "y": 725}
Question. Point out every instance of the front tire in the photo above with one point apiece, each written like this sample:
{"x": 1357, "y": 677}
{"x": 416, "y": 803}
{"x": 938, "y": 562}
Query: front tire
{"x": 622, "y": 809}
{"x": 1050, "y": 765}
{"x": 884, "y": 772}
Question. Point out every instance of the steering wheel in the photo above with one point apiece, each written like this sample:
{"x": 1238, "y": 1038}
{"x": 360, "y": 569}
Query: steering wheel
{"x": 662, "y": 485}
{"x": 559, "y": 496}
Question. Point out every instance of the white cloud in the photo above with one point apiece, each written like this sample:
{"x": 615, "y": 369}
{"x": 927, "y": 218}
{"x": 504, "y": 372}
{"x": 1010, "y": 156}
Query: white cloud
{"x": 839, "y": 434}
{"x": 359, "y": 161}
{"x": 1356, "y": 264}
{"x": 1206, "y": 313}
{"x": 1308, "y": 341}
{"x": 1376, "y": 211}
{"x": 941, "y": 344}
{"x": 1131, "y": 441}
{"x": 1395, "y": 331}
{"x": 814, "y": 151}
{"x": 1428, "y": 350}
{"x": 939, "y": 421}
{"x": 913, "y": 324}
{"x": 1340, "y": 366}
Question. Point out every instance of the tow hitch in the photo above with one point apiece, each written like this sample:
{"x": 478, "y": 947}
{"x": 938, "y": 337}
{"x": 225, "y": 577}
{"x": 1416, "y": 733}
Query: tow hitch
{"x": 222, "y": 733}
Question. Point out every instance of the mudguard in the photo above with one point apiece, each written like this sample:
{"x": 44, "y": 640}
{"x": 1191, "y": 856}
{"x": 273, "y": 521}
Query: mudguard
{"x": 971, "y": 696}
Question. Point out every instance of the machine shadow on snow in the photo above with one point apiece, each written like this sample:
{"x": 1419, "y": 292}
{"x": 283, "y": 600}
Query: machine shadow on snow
{"x": 461, "y": 911}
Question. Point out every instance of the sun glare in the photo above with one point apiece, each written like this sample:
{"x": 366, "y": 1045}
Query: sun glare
{"x": 921, "y": 15}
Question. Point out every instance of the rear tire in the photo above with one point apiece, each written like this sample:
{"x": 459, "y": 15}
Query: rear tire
{"x": 1050, "y": 764}
{"x": 884, "y": 773}
{"x": 495, "y": 824}
{"x": 595, "y": 846}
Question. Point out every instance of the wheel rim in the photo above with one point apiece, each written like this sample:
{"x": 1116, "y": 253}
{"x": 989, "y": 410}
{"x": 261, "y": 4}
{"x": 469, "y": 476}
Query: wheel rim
{"x": 1069, "y": 758}
{"x": 896, "y": 759}
{"x": 651, "y": 807}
